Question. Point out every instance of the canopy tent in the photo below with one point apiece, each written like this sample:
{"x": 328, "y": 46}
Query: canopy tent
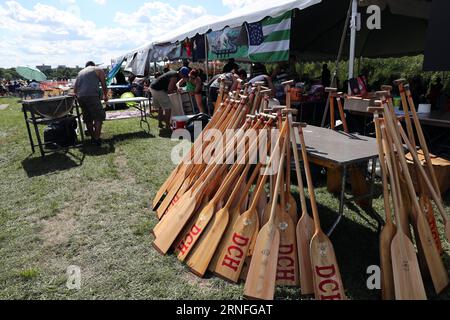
{"x": 318, "y": 26}
{"x": 169, "y": 47}
{"x": 403, "y": 30}
{"x": 437, "y": 44}
{"x": 250, "y": 14}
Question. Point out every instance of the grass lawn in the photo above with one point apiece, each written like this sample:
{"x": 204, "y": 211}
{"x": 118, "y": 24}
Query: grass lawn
{"x": 91, "y": 209}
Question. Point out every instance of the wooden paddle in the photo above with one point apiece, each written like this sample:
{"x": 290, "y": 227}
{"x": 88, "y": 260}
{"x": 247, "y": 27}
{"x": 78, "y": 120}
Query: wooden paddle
{"x": 196, "y": 227}
{"x": 405, "y": 265}
{"x": 291, "y": 204}
{"x": 176, "y": 194}
{"x": 260, "y": 283}
{"x": 229, "y": 122}
{"x": 389, "y": 230}
{"x": 425, "y": 202}
{"x": 436, "y": 267}
{"x": 287, "y": 269}
{"x": 220, "y": 113}
{"x": 305, "y": 226}
{"x": 182, "y": 212}
{"x": 204, "y": 251}
{"x": 427, "y": 155}
{"x": 327, "y": 277}
{"x": 232, "y": 240}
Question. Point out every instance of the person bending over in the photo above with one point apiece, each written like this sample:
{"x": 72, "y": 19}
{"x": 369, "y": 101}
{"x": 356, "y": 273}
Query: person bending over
{"x": 86, "y": 90}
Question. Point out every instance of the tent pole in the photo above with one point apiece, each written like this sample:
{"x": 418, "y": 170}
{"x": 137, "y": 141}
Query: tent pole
{"x": 351, "y": 62}
{"x": 338, "y": 59}
{"x": 206, "y": 58}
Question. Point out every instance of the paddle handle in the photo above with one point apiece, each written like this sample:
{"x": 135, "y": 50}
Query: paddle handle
{"x": 267, "y": 171}
{"x": 393, "y": 177}
{"x": 423, "y": 142}
{"x": 249, "y": 185}
{"x": 312, "y": 194}
{"x": 212, "y": 169}
{"x": 301, "y": 186}
{"x": 250, "y": 152}
{"x": 422, "y": 172}
{"x": 391, "y": 124}
{"x": 278, "y": 185}
{"x": 387, "y": 205}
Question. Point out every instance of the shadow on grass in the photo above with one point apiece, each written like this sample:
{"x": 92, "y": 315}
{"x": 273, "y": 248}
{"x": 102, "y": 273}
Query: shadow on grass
{"x": 53, "y": 163}
{"x": 108, "y": 145}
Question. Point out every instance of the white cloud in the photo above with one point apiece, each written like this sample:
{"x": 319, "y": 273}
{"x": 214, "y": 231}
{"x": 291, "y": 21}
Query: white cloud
{"x": 101, "y": 2}
{"x": 237, "y": 4}
{"x": 45, "y": 34}
{"x": 155, "y": 18}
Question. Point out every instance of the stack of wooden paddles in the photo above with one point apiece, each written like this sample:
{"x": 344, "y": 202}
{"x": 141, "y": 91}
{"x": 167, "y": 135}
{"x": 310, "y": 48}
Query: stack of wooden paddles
{"x": 405, "y": 265}
{"x": 222, "y": 218}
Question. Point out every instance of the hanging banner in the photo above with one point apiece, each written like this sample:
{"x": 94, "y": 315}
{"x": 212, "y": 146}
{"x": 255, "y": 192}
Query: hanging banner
{"x": 228, "y": 43}
{"x": 269, "y": 40}
{"x": 199, "y": 48}
{"x": 165, "y": 52}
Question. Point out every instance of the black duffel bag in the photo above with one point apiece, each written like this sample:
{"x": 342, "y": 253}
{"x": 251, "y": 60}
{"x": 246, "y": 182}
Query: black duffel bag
{"x": 61, "y": 133}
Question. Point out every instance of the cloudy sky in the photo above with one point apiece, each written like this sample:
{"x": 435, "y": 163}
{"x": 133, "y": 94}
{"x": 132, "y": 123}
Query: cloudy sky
{"x": 70, "y": 32}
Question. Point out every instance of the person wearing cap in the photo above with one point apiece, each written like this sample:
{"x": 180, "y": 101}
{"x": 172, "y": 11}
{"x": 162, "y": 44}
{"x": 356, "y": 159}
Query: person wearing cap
{"x": 160, "y": 90}
{"x": 86, "y": 89}
{"x": 231, "y": 84}
{"x": 194, "y": 86}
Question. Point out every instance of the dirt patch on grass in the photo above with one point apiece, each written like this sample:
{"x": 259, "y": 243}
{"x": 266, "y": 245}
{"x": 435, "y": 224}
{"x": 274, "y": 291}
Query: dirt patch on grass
{"x": 57, "y": 230}
{"x": 121, "y": 162}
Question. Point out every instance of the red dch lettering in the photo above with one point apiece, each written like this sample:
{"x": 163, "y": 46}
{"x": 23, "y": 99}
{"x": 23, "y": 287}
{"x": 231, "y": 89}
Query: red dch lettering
{"x": 239, "y": 252}
{"x": 231, "y": 263}
{"x": 286, "y": 249}
{"x": 240, "y": 241}
{"x": 335, "y": 285}
{"x": 326, "y": 272}
{"x": 286, "y": 275}
{"x": 290, "y": 262}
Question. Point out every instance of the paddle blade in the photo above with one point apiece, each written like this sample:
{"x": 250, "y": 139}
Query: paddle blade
{"x": 407, "y": 278}
{"x": 327, "y": 277}
{"x": 203, "y": 252}
{"x": 291, "y": 206}
{"x": 235, "y": 247}
{"x": 387, "y": 276}
{"x": 175, "y": 222}
{"x": 193, "y": 232}
{"x": 435, "y": 264}
{"x": 260, "y": 284}
{"x": 305, "y": 232}
{"x": 287, "y": 271}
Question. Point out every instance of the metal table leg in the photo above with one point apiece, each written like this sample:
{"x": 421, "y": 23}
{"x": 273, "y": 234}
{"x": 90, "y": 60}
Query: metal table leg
{"x": 29, "y": 131}
{"x": 144, "y": 118}
{"x": 38, "y": 136}
{"x": 342, "y": 202}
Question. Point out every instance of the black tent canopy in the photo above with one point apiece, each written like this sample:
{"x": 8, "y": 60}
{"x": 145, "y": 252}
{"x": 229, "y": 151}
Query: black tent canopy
{"x": 319, "y": 29}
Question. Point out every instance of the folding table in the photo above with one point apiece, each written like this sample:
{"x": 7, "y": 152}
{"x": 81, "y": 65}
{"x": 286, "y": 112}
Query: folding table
{"x": 334, "y": 149}
{"x": 138, "y": 103}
